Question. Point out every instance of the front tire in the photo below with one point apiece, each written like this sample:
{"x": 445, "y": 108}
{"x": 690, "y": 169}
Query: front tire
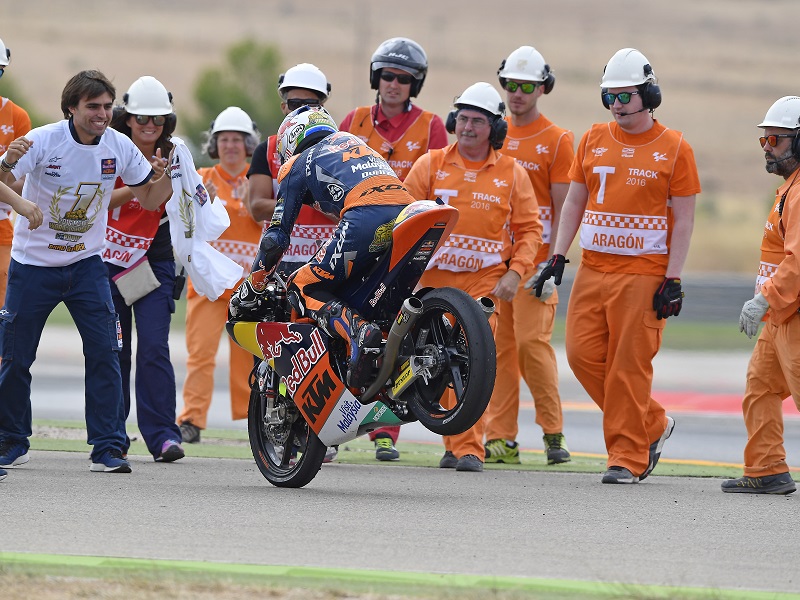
{"x": 453, "y": 327}
{"x": 288, "y": 453}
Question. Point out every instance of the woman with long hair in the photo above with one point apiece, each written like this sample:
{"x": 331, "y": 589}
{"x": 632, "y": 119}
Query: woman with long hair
{"x": 141, "y": 267}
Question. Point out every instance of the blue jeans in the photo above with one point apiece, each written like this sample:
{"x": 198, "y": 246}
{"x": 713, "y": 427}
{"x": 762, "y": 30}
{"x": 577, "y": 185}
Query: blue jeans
{"x": 32, "y": 294}
{"x": 155, "y": 376}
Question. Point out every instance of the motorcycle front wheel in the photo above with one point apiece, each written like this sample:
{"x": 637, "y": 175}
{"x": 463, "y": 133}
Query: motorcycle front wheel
{"x": 454, "y": 330}
{"x": 296, "y": 460}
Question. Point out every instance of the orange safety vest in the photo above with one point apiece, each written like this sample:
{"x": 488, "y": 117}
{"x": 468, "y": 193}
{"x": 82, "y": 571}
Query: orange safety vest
{"x": 630, "y": 179}
{"x": 546, "y": 152}
{"x": 402, "y": 153}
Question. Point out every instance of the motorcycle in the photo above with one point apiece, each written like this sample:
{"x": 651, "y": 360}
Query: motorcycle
{"x": 435, "y": 341}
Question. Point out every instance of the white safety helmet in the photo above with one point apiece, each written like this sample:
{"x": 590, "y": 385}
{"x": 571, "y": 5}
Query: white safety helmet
{"x": 5, "y": 55}
{"x": 483, "y": 96}
{"x": 627, "y": 67}
{"x": 526, "y": 64}
{"x": 147, "y": 96}
{"x": 305, "y": 76}
{"x": 233, "y": 118}
{"x": 784, "y": 113}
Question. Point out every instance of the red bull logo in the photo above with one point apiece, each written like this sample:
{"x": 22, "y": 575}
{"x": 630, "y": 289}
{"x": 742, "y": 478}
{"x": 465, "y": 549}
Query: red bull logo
{"x": 275, "y": 337}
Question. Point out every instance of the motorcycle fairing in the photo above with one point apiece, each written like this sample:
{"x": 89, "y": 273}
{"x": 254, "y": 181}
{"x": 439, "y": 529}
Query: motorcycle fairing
{"x": 299, "y": 354}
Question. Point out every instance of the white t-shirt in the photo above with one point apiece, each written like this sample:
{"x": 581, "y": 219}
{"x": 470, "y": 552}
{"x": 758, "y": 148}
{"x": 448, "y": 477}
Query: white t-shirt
{"x": 72, "y": 184}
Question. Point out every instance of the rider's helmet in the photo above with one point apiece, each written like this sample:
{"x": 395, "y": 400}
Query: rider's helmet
{"x": 302, "y": 128}
{"x": 400, "y": 53}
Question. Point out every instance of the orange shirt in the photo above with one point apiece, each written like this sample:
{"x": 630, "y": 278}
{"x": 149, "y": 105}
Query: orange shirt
{"x": 546, "y": 152}
{"x": 14, "y": 122}
{"x": 779, "y": 272}
{"x": 492, "y": 199}
{"x": 240, "y": 241}
{"x": 631, "y": 180}
{"x": 419, "y": 131}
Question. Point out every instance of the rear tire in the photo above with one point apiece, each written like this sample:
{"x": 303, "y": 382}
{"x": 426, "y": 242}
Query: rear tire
{"x": 453, "y": 326}
{"x": 275, "y": 460}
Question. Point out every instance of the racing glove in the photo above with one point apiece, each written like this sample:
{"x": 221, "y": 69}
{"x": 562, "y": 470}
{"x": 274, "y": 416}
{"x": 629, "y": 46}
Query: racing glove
{"x": 668, "y": 299}
{"x": 548, "y": 287}
{"x": 752, "y": 313}
{"x": 554, "y": 268}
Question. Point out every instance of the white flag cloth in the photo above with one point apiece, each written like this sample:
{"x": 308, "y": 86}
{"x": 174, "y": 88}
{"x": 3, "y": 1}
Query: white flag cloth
{"x": 193, "y": 222}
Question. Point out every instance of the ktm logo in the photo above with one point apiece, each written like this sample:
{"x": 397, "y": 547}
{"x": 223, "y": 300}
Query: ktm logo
{"x": 380, "y": 189}
{"x": 317, "y": 394}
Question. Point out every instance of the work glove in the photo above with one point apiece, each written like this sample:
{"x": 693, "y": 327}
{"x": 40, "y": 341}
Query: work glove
{"x": 668, "y": 299}
{"x": 548, "y": 287}
{"x": 553, "y": 268}
{"x": 752, "y": 313}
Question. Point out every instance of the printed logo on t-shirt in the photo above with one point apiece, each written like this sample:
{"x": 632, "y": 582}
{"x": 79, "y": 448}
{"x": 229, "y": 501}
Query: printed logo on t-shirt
{"x": 108, "y": 167}
{"x": 599, "y": 151}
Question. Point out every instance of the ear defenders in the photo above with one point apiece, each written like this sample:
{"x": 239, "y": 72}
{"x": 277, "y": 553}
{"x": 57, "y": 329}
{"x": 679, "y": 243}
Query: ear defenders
{"x": 497, "y": 133}
{"x": 649, "y": 92}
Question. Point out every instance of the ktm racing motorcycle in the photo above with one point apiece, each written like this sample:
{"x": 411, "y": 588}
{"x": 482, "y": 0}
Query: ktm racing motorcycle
{"x": 435, "y": 341}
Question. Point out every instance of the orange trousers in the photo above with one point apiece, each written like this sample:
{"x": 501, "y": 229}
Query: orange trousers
{"x": 205, "y": 324}
{"x": 476, "y": 285}
{"x": 524, "y": 329}
{"x": 772, "y": 376}
{"x": 611, "y": 339}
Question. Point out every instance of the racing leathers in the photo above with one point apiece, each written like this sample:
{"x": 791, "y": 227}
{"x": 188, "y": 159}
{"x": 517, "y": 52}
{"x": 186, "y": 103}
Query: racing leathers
{"x": 342, "y": 177}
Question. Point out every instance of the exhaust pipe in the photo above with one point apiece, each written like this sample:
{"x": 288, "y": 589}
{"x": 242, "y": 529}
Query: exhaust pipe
{"x": 411, "y": 309}
{"x": 487, "y": 306}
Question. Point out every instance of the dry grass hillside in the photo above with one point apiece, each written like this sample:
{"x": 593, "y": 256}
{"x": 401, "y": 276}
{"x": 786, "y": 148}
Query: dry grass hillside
{"x": 721, "y": 63}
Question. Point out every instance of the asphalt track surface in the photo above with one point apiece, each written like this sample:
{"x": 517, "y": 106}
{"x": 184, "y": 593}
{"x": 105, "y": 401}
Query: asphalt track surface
{"x": 665, "y": 531}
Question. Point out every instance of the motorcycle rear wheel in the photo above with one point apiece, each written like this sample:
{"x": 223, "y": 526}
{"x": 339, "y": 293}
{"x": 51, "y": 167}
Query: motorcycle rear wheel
{"x": 453, "y": 323}
{"x": 276, "y": 462}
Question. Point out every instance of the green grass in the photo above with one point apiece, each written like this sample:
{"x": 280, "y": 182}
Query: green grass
{"x": 225, "y": 443}
{"x": 678, "y": 335}
{"x": 53, "y": 576}
{"x": 689, "y": 335}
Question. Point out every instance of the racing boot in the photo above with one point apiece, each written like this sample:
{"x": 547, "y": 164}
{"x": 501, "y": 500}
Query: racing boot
{"x": 247, "y": 303}
{"x": 363, "y": 339}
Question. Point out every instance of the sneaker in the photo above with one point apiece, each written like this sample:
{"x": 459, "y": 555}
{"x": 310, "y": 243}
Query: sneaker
{"x": 110, "y": 461}
{"x": 330, "y": 454}
{"x": 657, "y": 446}
{"x": 448, "y": 461}
{"x": 782, "y": 483}
{"x": 13, "y": 454}
{"x": 3, "y": 474}
{"x": 170, "y": 452}
{"x": 384, "y": 448}
{"x": 190, "y": 434}
{"x": 469, "y": 462}
{"x": 619, "y": 475}
{"x": 555, "y": 446}
{"x": 501, "y": 451}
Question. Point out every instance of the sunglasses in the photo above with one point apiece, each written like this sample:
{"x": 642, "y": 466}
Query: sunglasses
{"x": 2, "y": 70}
{"x": 401, "y": 79}
{"x": 772, "y": 140}
{"x": 527, "y": 88}
{"x": 623, "y": 97}
{"x": 158, "y": 120}
{"x": 295, "y": 103}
